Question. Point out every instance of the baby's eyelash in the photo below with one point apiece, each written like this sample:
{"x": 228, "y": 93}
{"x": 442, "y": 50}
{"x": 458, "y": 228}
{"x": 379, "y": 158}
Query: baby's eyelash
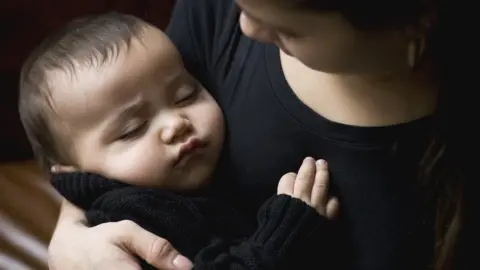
{"x": 132, "y": 133}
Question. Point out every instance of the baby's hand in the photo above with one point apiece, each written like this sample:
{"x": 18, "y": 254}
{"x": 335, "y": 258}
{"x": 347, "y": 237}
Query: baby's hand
{"x": 311, "y": 186}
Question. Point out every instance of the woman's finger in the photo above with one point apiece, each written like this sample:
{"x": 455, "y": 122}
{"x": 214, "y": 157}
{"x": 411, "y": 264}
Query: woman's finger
{"x": 153, "y": 249}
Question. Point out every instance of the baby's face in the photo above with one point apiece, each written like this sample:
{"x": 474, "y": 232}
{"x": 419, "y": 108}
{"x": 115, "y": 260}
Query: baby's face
{"x": 141, "y": 118}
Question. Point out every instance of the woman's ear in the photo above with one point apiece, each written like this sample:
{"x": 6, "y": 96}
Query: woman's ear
{"x": 63, "y": 169}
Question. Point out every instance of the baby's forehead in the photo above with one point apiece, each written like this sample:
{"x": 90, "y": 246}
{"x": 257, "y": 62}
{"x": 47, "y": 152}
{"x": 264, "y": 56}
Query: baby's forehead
{"x": 88, "y": 90}
{"x": 80, "y": 96}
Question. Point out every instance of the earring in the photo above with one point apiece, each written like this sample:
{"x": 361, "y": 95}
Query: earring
{"x": 415, "y": 50}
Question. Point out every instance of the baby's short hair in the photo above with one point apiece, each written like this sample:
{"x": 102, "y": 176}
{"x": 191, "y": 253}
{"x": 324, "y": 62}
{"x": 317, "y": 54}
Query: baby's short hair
{"x": 87, "y": 41}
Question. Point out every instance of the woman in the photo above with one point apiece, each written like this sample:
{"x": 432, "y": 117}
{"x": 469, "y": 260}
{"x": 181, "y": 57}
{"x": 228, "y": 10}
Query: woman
{"x": 358, "y": 83}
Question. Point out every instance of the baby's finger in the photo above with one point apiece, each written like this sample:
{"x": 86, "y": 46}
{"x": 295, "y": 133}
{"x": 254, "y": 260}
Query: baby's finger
{"x": 305, "y": 180}
{"x": 333, "y": 208}
{"x": 286, "y": 184}
{"x": 320, "y": 187}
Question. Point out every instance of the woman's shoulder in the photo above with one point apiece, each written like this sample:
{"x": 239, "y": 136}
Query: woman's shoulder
{"x": 200, "y": 22}
{"x": 200, "y": 29}
{"x": 196, "y": 14}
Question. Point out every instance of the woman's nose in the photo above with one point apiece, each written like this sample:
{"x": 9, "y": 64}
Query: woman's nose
{"x": 256, "y": 31}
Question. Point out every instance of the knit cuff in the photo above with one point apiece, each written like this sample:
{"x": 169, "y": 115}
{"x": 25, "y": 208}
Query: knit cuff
{"x": 81, "y": 188}
{"x": 287, "y": 225}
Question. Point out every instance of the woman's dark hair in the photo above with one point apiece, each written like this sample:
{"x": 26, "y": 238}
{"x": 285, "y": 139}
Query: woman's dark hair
{"x": 443, "y": 168}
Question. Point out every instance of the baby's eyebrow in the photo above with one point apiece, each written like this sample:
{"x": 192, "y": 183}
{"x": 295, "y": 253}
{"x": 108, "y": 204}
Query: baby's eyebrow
{"x": 129, "y": 111}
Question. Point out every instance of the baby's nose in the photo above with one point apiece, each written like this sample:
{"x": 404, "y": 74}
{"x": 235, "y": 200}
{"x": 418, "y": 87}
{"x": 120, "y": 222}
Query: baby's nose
{"x": 174, "y": 129}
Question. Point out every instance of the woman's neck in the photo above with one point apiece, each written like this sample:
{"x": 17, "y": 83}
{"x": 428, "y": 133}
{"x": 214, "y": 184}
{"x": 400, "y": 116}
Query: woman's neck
{"x": 367, "y": 100}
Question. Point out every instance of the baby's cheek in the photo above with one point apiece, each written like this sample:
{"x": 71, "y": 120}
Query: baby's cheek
{"x": 139, "y": 165}
{"x": 208, "y": 116}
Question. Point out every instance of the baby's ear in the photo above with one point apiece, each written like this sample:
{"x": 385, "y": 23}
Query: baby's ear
{"x": 62, "y": 169}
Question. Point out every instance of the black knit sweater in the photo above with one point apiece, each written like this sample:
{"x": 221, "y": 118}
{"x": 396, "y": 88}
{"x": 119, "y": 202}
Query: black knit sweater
{"x": 213, "y": 235}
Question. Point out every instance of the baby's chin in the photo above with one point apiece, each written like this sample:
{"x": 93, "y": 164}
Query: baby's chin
{"x": 182, "y": 181}
{"x": 194, "y": 181}
{"x": 196, "y": 189}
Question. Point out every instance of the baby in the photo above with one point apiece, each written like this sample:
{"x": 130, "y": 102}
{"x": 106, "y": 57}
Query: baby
{"x": 127, "y": 134}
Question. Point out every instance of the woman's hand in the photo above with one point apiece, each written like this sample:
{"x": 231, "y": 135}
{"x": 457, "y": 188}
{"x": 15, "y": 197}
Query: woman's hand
{"x": 108, "y": 246}
{"x": 310, "y": 185}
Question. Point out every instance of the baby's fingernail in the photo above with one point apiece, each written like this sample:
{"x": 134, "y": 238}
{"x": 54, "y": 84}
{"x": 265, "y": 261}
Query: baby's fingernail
{"x": 182, "y": 262}
{"x": 321, "y": 163}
